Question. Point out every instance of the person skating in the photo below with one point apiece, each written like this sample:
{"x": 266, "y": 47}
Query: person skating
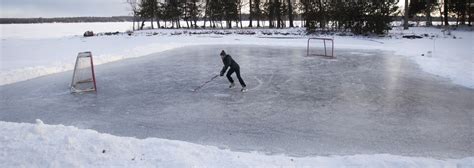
{"x": 234, "y": 67}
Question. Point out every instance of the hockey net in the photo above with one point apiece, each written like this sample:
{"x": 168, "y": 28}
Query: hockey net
{"x": 320, "y": 47}
{"x": 83, "y": 78}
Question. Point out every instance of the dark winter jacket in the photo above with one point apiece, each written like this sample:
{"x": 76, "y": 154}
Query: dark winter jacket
{"x": 229, "y": 62}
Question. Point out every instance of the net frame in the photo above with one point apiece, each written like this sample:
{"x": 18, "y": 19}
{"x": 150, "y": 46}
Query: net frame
{"x": 325, "y": 47}
{"x": 75, "y": 88}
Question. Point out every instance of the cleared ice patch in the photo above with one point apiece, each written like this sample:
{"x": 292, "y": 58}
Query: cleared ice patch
{"x": 290, "y": 99}
{"x": 222, "y": 95}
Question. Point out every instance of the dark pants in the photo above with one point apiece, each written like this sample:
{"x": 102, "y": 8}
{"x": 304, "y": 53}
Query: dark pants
{"x": 237, "y": 71}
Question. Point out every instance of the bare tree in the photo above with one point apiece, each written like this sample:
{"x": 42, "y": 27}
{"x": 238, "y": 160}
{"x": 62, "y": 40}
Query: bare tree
{"x": 134, "y": 9}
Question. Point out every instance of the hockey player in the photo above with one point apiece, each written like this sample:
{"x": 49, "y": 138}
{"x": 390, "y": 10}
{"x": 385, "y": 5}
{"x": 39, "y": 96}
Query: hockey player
{"x": 234, "y": 67}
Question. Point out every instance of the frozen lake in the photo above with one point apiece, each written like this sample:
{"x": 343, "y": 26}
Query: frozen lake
{"x": 363, "y": 102}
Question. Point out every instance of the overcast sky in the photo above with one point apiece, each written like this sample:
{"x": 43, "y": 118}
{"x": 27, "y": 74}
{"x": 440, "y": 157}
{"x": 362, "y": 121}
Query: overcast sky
{"x": 64, "y": 8}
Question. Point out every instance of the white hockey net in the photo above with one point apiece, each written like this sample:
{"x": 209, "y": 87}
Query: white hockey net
{"x": 83, "y": 78}
{"x": 320, "y": 47}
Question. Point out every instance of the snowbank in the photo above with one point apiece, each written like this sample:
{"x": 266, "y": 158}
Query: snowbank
{"x": 450, "y": 56}
{"x": 41, "y": 145}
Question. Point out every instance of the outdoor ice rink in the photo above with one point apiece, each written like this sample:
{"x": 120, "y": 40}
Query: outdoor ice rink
{"x": 365, "y": 101}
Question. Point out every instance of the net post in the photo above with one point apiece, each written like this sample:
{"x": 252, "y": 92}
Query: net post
{"x": 325, "y": 53}
{"x": 74, "y": 73}
{"x": 307, "y": 48}
{"x": 332, "y": 54}
{"x": 93, "y": 73}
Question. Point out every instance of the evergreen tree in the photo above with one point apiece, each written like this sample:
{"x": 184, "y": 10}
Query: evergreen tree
{"x": 380, "y": 16}
{"x": 195, "y": 11}
{"x": 173, "y": 10}
{"x": 304, "y": 6}
{"x": 416, "y": 7}
{"x": 230, "y": 12}
{"x": 216, "y": 11}
{"x": 430, "y": 7}
{"x": 281, "y": 10}
{"x": 310, "y": 13}
{"x": 290, "y": 12}
{"x": 360, "y": 17}
{"x": 425, "y": 7}
{"x": 250, "y": 13}
{"x": 257, "y": 11}
{"x": 240, "y": 4}
{"x": 357, "y": 16}
{"x": 269, "y": 12}
{"x": 276, "y": 9}
{"x": 158, "y": 13}
{"x": 206, "y": 12}
{"x": 470, "y": 11}
{"x": 459, "y": 8}
{"x": 147, "y": 11}
{"x": 445, "y": 12}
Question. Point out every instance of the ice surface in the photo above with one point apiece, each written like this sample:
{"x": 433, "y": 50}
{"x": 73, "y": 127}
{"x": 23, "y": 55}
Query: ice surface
{"x": 363, "y": 102}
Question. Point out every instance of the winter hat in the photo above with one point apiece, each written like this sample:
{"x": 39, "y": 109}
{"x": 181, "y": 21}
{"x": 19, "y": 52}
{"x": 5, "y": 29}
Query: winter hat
{"x": 223, "y": 53}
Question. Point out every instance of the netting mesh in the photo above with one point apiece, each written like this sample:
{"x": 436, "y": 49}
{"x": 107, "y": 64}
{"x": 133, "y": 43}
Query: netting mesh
{"x": 318, "y": 48}
{"x": 83, "y": 75}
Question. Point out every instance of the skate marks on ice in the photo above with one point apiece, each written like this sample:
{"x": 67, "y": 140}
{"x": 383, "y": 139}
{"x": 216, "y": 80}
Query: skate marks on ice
{"x": 258, "y": 84}
{"x": 358, "y": 103}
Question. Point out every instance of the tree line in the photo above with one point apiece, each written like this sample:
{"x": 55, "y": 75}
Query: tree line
{"x": 369, "y": 16}
{"x": 461, "y": 10}
{"x": 359, "y": 17}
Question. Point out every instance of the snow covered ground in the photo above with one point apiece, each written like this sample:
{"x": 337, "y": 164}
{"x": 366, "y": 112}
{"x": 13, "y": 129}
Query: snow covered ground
{"x": 41, "y": 145}
{"x": 58, "y": 30}
{"x": 413, "y": 105}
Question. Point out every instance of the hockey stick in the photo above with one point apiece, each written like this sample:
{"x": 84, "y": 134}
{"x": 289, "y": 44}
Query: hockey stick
{"x": 199, "y": 87}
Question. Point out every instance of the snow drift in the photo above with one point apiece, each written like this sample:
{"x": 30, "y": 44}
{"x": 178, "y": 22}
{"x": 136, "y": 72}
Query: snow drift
{"x": 41, "y": 145}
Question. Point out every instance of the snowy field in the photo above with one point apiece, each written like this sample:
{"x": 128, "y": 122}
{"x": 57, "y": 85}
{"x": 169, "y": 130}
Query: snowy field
{"x": 384, "y": 102}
